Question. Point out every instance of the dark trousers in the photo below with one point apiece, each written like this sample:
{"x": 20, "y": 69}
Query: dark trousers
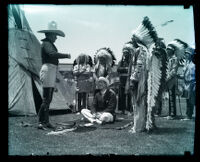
{"x": 159, "y": 101}
{"x": 172, "y": 101}
{"x": 158, "y": 106}
{"x": 44, "y": 108}
{"x": 82, "y": 100}
{"x": 124, "y": 100}
{"x": 190, "y": 108}
{"x": 191, "y": 101}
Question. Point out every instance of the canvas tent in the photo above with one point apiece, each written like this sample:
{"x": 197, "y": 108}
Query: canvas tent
{"x": 24, "y": 90}
{"x": 24, "y": 50}
{"x": 65, "y": 96}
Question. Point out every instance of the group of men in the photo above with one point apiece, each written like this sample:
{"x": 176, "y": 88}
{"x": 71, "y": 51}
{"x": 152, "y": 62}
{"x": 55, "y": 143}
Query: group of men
{"x": 104, "y": 102}
{"x": 177, "y": 79}
{"x": 145, "y": 74}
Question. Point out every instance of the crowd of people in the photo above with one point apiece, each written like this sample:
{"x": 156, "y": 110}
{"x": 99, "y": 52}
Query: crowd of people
{"x": 147, "y": 70}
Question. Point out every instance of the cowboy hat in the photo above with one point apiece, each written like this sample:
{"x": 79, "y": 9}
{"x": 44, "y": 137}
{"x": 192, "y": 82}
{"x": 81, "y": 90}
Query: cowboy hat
{"x": 52, "y": 28}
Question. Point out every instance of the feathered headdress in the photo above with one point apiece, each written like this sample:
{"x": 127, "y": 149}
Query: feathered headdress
{"x": 105, "y": 53}
{"x": 146, "y": 33}
{"x": 179, "y": 48}
{"x": 127, "y": 51}
{"x": 83, "y": 59}
{"x": 128, "y": 45}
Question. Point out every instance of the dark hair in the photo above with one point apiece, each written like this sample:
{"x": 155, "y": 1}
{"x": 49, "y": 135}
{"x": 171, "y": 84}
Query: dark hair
{"x": 90, "y": 61}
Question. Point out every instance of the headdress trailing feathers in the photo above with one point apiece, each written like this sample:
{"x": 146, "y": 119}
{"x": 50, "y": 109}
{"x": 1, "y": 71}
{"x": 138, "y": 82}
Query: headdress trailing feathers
{"x": 146, "y": 33}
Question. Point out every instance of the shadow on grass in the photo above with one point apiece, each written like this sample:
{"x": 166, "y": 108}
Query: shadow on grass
{"x": 160, "y": 131}
{"x": 53, "y": 112}
{"x": 84, "y": 129}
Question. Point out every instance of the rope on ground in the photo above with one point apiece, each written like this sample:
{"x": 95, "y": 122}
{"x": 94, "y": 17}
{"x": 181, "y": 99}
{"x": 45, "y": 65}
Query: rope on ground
{"x": 125, "y": 126}
{"x": 62, "y": 132}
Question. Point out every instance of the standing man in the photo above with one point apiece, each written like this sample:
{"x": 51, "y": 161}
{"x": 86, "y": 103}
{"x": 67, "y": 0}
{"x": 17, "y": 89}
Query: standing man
{"x": 104, "y": 104}
{"x": 175, "y": 52}
{"x": 49, "y": 70}
{"x": 172, "y": 79}
{"x": 145, "y": 77}
{"x": 104, "y": 60}
{"x": 190, "y": 83}
{"x": 124, "y": 71}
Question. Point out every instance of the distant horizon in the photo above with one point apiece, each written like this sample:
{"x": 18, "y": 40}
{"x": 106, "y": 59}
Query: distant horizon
{"x": 90, "y": 27}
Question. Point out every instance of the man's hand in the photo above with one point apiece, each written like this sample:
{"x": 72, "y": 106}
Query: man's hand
{"x": 69, "y": 56}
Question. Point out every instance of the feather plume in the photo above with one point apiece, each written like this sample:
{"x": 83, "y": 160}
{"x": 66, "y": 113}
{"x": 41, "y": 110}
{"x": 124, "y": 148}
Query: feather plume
{"x": 153, "y": 82}
{"x": 146, "y": 33}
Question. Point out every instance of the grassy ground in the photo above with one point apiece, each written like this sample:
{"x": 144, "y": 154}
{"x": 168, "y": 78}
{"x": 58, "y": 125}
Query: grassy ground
{"x": 173, "y": 137}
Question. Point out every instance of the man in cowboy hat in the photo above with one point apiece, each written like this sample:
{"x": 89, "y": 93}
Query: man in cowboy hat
{"x": 49, "y": 70}
{"x": 104, "y": 104}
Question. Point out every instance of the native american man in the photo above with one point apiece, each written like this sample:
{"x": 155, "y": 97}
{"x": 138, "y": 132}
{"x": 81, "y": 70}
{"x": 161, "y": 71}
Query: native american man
{"x": 175, "y": 51}
{"x": 124, "y": 71}
{"x": 146, "y": 75}
{"x": 104, "y": 60}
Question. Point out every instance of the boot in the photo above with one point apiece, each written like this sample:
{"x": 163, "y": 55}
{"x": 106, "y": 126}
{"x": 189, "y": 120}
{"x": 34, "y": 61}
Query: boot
{"x": 43, "y": 112}
{"x": 46, "y": 111}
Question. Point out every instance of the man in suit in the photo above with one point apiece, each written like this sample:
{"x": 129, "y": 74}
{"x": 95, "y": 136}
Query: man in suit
{"x": 104, "y": 104}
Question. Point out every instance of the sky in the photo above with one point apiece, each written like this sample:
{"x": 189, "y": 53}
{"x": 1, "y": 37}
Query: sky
{"x": 90, "y": 27}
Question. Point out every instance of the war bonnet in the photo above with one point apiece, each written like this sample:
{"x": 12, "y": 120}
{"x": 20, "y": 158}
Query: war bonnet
{"x": 145, "y": 33}
{"x": 178, "y": 47}
{"x": 107, "y": 54}
{"x": 127, "y": 46}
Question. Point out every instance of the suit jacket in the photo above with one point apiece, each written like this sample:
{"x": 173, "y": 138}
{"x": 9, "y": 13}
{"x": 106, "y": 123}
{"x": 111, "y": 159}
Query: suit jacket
{"x": 106, "y": 103}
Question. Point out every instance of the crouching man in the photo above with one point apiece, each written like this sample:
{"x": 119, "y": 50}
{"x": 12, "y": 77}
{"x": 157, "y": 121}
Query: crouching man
{"x": 104, "y": 104}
